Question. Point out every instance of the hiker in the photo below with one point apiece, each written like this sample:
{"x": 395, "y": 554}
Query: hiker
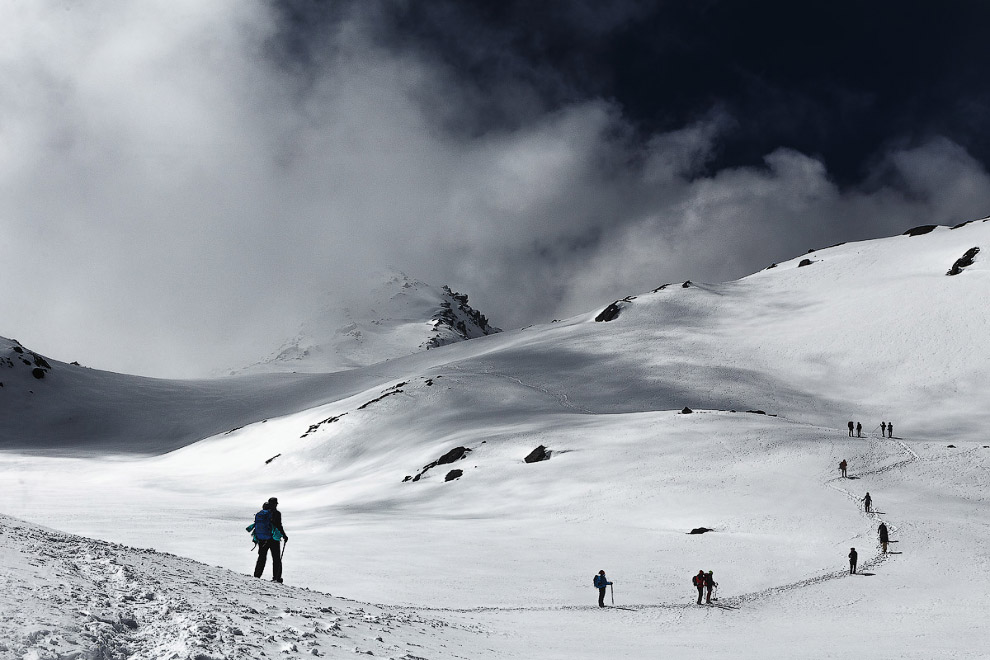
{"x": 850, "y": 429}
{"x": 884, "y": 537}
{"x": 883, "y": 429}
{"x": 602, "y": 583}
{"x": 859, "y": 430}
{"x": 867, "y": 502}
{"x": 709, "y": 584}
{"x": 842, "y": 467}
{"x": 269, "y": 532}
{"x": 699, "y": 581}
{"x": 852, "y": 560}
{"x": 890, "y": 429}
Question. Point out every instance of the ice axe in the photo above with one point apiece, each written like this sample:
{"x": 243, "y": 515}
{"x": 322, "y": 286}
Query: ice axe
{"x": 611, "y": 590}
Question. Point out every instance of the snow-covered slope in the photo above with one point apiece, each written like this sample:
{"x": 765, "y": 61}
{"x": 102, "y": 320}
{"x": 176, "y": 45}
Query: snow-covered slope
{"x": 399, "y": 317}
{"x": 872, "y": 331}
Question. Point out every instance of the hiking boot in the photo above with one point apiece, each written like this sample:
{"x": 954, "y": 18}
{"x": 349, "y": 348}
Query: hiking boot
{"x": 279, "y": 580}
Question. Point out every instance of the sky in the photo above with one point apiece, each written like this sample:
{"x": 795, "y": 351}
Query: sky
{"x": 182, "y": 183}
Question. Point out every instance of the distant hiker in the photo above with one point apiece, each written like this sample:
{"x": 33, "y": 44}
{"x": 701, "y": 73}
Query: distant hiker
{"x": 867, "y": 502}
{"x": 852, "y": 560}
{"x": 842, "y": 467}
{"x": 699, "y": 582}
{"x": 859, "y": 430}
{"x": 883, "y": 429}
{"x": 709, "y": 585}
{"x": 890, "y": 429}
{"x": 269, "y": 532}
{"x": 601, "y": 582}
{"x": 884, "y": 538}
{"x": 850, "y": 429}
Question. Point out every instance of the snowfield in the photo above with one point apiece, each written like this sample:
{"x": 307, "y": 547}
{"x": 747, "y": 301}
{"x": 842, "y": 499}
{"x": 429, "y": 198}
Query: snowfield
{"x": 498, "y": 562}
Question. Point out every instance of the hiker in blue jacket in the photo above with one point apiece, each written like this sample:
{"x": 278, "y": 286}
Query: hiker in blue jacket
{"x": 602, "y": 583}
{"x": 269, "y": 532}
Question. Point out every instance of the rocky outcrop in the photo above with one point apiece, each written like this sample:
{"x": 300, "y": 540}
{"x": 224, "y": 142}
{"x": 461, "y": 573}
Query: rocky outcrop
{"x": 609, "y": 313}
{"x": 458, "y": 317}
{"x": 701, "y": 530}
{"x": 919, "y": 231}
{"x": 964, "y": 261}
{"x": 805, "y": 262}
{"x": 455, "y": 454}
{"x": 454, "y": 474}
{"x": 541, "y": 453}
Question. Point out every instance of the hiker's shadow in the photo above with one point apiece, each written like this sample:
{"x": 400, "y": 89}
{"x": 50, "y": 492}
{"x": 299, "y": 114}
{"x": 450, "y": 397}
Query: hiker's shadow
{"x": 852, "y": 477}
{"x": 895, "y": 553}
{"x": 866, "y": 574}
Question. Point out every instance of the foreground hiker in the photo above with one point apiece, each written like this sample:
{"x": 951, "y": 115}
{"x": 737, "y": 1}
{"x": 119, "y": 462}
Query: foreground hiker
{"x": 601, "y": 582}
{"x": 269, "y": 532}
{"x": 850, "y": 429}
{"x": 884, "y": 537}
{"x": 852, "y": 560}
{"x": 867, "y": 502}
{"x": 699, "y": 581}
{"x": 883, "y": 429}
{"x": 859, "y": 430}
{"x": 890, "y": 429}
{"x": 842, "y": 467}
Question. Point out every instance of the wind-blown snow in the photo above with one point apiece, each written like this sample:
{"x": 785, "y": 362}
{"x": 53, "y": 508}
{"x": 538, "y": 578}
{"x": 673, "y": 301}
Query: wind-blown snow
{"x": 867, "y": 332}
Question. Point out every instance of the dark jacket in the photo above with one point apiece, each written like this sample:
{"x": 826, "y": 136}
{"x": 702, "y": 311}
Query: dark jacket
{"x": 853, "y": 557}
{"x": 277, "y": 522}
{"x": 601, "y": 581}
{"x": 883, "y": 533}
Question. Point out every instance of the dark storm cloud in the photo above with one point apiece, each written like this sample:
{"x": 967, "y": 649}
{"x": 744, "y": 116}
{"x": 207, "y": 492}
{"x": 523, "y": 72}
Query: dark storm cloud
{"x": 182, "y": 182}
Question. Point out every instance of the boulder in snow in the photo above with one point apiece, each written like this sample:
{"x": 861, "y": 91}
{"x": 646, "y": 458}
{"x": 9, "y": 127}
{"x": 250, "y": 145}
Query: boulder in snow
{"x": 454, "y": 474}
{"x": 964, "y": 261}
{"x": 541, "y": 453}
{"x": 918, "y": 231}
{"x": 609, "y": 313}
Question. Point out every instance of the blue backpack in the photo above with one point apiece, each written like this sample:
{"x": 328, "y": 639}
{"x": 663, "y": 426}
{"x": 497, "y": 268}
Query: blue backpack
{"x": 262, "y": 526}
{"x": 599, "y": 581}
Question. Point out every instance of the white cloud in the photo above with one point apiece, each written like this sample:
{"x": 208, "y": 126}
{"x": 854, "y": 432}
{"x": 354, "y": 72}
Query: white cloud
{"x": 174, "y": 200}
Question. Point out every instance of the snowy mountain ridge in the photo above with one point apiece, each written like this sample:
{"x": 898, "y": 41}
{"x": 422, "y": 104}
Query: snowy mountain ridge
{"x": 399, "y": 317}
{"x": 653, "y": 425}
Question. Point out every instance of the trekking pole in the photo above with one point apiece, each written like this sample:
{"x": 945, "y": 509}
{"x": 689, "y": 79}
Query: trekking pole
{"x": 284, "y": 546}
{"x": 611, "y": 589}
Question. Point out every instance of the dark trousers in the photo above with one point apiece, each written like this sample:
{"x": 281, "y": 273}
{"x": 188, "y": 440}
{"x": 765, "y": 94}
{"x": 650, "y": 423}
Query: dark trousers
{"x": 852, "y": 567}
{"x": 701, "y": 592}
{"x": 264, "y": 547}
{"x": 601, "y": 596}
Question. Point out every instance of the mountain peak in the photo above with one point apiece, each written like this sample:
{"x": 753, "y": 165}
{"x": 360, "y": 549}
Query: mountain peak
{"x": 400, "y": 316}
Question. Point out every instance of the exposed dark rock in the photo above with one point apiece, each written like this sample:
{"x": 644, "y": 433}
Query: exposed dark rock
{"x": 272, "y": 458}
{"x": 701, "y": 530}
{"x": 455, "y": 454}
{"x": 964, "y": 261}
{"x": 811, "y": 250}
{"x": 757, "y": 412}
{"x": 950, "y": 446}
{"x": 962, "y": 224}
{"x": 315, "y": 427}
{"x": 686, "y": 284}
{"x": 686, "y": 411}
{"x": 408, "y": 478}
{"x": 805, "y": 262}
{"x": 40, "y": 361}
{"x": 660, "y": 288}
{"x": 466, "y": 322}
{"x": 773, "y": 265}
{"x": 541, "y": 453}
{"x": 38, "y": 373}
{"x": 386, "y": 394}
{"x": 609, "y": 313}
{"x": 454, "y": 474}
{"x": 918, "y": 231}
{"x": 75, "y": 364}
{"x": 18, "y": 349}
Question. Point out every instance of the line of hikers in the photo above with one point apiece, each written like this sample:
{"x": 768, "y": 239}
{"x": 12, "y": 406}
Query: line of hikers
{"x": 886, "y": 429}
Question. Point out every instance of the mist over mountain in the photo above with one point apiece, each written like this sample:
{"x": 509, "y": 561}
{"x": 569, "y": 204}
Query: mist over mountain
{"x": 398, "y": 317}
